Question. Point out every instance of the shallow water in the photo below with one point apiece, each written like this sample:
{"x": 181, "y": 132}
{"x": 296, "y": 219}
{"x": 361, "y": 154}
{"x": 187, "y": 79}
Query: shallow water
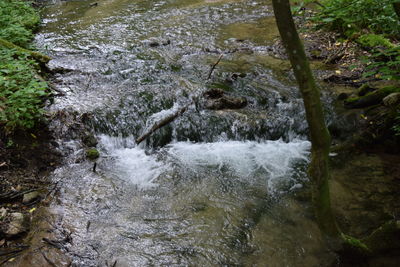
{"x": 213, "y": 188}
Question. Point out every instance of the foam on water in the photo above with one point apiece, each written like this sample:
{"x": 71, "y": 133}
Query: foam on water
{"x": 241, "y": 159}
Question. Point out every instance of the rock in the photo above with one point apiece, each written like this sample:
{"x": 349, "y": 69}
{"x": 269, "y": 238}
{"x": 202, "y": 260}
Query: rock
{"x": 226, "y": 102}
{"x": 167, "y": 42}
{"x": 92, "y": 154}
{"x": 392, "y": 100}
{"x": 214, "y": 93}
{"x": 216, "y": 100}
{"x": 18, "y": 224}
{"x": 90, "y": 140}
{"x": 154, "y": 44}
{"x": 342, "y": 96}
{"x": 30, "y": 197}
{"x": 365, "y": 89}
{"x": 370, "y": 99}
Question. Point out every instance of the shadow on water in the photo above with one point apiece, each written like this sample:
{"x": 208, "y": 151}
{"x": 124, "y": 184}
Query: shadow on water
{"x": 214, "y": 187}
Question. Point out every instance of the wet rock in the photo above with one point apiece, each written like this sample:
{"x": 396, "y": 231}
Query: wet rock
{"x": 226, "y": 102}
{"x": 217, "y": 100}
{"x": 18, "y": 224}
{"x": 30, "y": 197}
{"x": 167, "y": 42}
{"x": 214, "y": 93}
{"x": 90, "y": 140}
{"x": 92, "y": 154}
{"x": 154, "y": 44}
{"x": 392, "y": 100}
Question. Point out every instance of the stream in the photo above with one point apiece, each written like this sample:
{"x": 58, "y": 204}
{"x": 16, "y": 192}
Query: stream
{"x": 212, "y": 188}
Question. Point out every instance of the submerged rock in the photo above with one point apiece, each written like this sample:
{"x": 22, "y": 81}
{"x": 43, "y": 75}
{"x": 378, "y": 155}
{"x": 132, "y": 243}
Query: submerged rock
{"x": 217, "y": 100}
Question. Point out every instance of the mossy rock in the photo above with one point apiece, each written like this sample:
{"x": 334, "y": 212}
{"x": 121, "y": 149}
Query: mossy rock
{"x": 365, "y": 89}
{"x": 92, "y": 154}
{"x": 370, "y": 99}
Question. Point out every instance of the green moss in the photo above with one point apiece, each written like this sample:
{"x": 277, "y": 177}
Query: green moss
{"x": 355, "y": 243}
{"x": 92, "y": 154}
{"x": 220, "y": 85}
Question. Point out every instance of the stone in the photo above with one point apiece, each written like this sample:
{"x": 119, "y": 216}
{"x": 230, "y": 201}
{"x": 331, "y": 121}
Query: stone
{"x": 365, "y": 89}
{"x": 92, "y": 154}
{"x": 30, "y": 197}
{"x": 18, "y": 224}
{"x": 342, "y": 96}
{"x": 90, "y": 140}
{"x": 217, "y": 100}
{"x": 392, "y": 100}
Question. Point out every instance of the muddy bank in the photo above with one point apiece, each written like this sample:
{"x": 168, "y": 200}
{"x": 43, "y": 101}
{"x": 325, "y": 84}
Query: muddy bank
{"x": 27, "y": 159}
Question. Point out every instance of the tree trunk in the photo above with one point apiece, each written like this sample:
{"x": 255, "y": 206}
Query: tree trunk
{"x": 320, "y": 138}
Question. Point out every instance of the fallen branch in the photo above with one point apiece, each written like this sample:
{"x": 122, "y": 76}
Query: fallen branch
{"x": 213, "y": 66}
{"x": 36, "y": 55}
{"x": 172, "y": 116}
{"x": 164, "y": 121}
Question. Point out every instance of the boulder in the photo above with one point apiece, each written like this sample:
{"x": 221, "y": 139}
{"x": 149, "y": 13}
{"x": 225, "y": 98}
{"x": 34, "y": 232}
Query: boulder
{"x": 392, "y": 100}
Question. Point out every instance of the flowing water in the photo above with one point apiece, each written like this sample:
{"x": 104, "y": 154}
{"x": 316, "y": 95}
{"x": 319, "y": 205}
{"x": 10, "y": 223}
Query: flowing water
{"x": 212, "y": 188}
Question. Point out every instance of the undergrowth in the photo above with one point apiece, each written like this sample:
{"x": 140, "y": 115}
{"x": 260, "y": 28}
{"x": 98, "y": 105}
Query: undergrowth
{"x": 17, "y": 21}
{"x": 373, "y": 24}
{"x": 21, "y": 92}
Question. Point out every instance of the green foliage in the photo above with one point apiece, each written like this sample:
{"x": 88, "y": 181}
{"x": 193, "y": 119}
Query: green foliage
{"x": 17, "y": 21}
{"x": 373, "y": 40}
{"x": 350, "y": 16}
{"x": 21, "y": 94}
{"x": 384, "y": 63}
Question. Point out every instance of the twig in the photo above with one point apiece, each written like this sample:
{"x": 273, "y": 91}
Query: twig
{"x": 213, "y": 66}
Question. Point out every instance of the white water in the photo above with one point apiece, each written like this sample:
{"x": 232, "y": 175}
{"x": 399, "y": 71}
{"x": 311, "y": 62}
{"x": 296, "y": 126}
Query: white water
{"x": 273, "y": 160}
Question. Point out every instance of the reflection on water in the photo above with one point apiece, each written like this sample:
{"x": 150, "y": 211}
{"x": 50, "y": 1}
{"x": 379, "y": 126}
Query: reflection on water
{"x": 209, "y": 189}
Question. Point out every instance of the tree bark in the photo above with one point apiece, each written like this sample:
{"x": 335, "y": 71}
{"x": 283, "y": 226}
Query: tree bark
{"x": 320, "y": 138}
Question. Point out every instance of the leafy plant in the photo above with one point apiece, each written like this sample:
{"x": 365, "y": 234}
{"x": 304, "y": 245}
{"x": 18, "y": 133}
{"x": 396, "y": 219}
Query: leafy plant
{"x": 21, "y": 93}
{"x": 350, "y": 16}
{"x": 17, "y": 21}
{"x": 384, "y": 64}
{"x": 373, "y": 40}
